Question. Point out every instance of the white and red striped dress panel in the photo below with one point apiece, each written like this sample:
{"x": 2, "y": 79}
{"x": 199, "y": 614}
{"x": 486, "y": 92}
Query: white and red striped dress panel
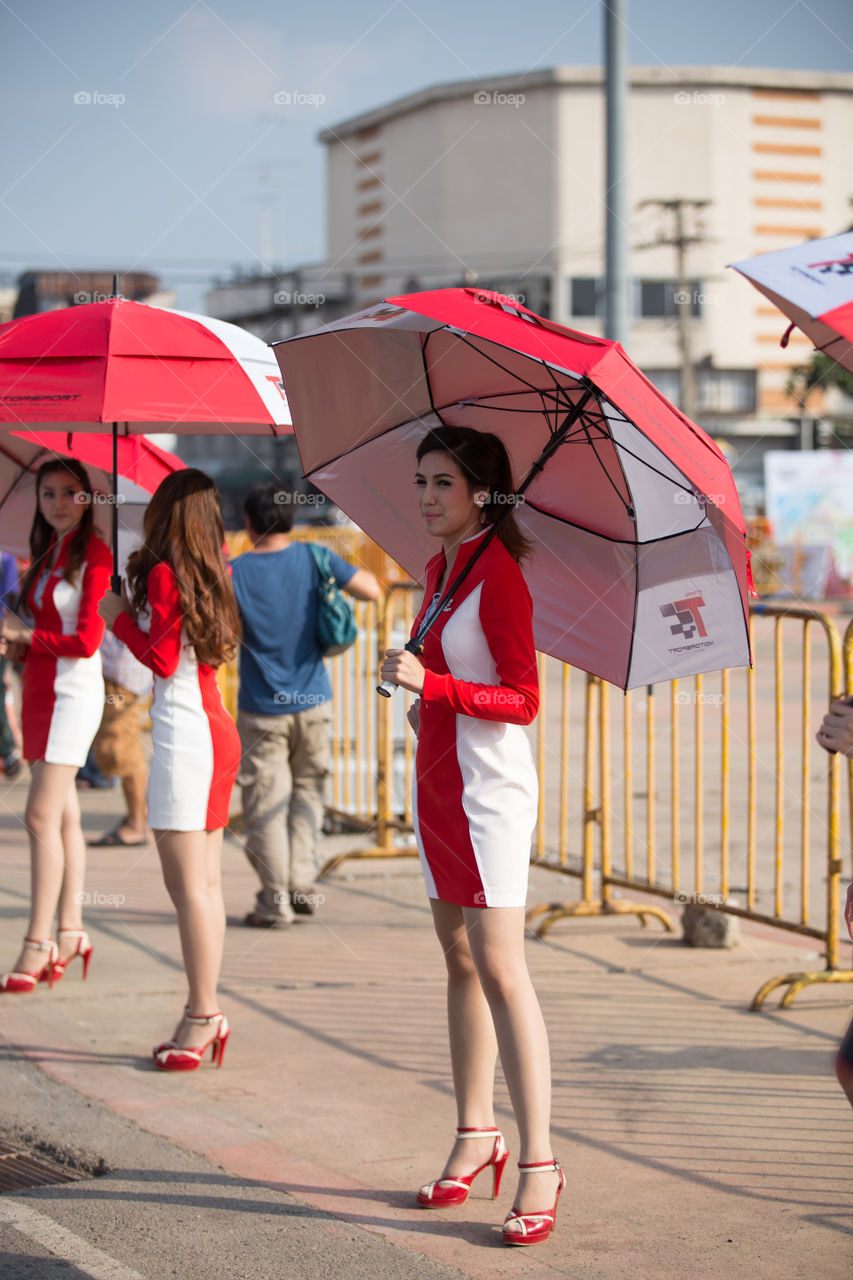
{"x": 63, "y": 688}
{"x": 196, "y": 745}
{"x": 475, "y": 791}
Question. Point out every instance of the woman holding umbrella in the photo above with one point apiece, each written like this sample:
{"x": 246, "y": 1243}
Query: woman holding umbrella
{"x": 63, "y": 697}
{"x": 474, "y": 808}
{"x": 183, "y": 625}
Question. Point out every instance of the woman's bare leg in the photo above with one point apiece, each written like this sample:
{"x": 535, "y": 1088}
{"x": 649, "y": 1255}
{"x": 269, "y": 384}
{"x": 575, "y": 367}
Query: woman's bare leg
{"x": 473, "y": 1047}
{"x": 73, "y": 880}
{"x": 496, "y": 938}
{"x": 44, "y": 817}
{"x": 187, "y": 859}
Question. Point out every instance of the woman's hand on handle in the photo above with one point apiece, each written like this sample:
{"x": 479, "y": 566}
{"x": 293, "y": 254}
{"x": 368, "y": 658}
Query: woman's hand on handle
{"x": 111, "y": 605}
{"x": 403, "y": 668}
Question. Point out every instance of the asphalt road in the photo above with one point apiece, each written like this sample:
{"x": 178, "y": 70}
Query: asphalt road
{"x": 163, "y": 1212}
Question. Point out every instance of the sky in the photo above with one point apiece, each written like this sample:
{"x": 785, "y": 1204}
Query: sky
{"x": 164, "y": 136}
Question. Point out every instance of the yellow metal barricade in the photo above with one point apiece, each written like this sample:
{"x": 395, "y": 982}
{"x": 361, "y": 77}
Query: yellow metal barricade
{"x": 384, "y": 800}
{"x": 708, "y": 804}
{"x": 709, "y": 791}
{"x": 572, "y": 745}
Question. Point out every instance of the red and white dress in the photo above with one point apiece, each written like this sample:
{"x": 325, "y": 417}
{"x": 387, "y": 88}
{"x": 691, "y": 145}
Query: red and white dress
{"x": 196, "y": 744}
{"x": 63, "y": 688}
{"x": 475, "y": 792}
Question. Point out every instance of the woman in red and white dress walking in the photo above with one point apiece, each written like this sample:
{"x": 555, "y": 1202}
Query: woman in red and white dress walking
{"x": 474, "y": 806}
{"x": 181, "y": 620}
{"x": 63, "y": 698}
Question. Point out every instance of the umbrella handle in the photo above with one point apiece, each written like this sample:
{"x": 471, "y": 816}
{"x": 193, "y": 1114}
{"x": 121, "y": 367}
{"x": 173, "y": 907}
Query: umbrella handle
{"x": 387, "y": 687}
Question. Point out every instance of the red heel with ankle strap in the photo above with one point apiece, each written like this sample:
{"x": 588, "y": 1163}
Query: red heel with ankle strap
{"x": 21, "y": 981}
{"x": 534, "y": 1228}
{"x": 444, "y": 1192}
{"x": 175, "y": 1058}
{"x": 83, "y": 949}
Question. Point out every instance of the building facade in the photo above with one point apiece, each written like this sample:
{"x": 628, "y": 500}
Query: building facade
{"x": 499, "y": 183}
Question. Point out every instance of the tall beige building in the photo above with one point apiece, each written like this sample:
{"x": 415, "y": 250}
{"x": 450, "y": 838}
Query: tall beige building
{"x": 501, "y": 183}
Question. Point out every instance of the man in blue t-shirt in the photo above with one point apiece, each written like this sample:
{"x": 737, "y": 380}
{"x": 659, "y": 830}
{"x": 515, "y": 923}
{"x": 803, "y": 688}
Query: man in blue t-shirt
{"x": 284, "y": 709}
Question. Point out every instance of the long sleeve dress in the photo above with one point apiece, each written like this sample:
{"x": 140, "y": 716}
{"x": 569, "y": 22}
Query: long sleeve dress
{"x": 63, "y": 688}
{"x": 196, "y": 745}
{"x": 475, "y": 790}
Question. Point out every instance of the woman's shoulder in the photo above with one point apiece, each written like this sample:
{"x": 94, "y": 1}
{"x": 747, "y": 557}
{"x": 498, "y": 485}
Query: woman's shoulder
{"x": 499, "y": 563}
{"x": 161, "y": 574}
{"x": 503, "y": 579}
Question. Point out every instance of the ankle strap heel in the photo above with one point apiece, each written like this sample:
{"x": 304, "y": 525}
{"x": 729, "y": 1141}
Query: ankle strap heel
{"x": 83, "y": 949}
{"x": 23, "y": 981}
{"x": 534, "y": 1228}
{"x": 170, "y": 1057}
{"x": 442, "y": 1193}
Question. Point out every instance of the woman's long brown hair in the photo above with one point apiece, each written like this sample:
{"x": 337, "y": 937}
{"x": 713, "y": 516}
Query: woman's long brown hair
{"x": 183, "y": 528}
{"x": 42, "y": 534}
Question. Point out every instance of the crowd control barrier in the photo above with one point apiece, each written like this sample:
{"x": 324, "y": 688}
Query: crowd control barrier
{"x": 710, "y": 791}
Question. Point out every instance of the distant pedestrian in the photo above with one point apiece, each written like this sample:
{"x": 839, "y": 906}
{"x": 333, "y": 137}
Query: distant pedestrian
{"x": 180, "y": 619}
{"x": 836, "y": 734}
{"x": 284, "y": 703}
{"x": 118, "y": 743}
{"x": 63, "y": 693}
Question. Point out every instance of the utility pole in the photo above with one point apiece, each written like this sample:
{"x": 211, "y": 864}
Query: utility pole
{"x": 681, "y": 241}
{"x": 616, "y": 309}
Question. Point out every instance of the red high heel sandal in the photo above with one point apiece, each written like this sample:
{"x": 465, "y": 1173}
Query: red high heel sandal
{"x": 173, "y": 1043}
{"x": 534, "y": 1228}
{"x": 20, "y": 981}
{"x": 83, "y": 949}
{"x": 173, "y": 1058}
{"x": 444, "y": 1192}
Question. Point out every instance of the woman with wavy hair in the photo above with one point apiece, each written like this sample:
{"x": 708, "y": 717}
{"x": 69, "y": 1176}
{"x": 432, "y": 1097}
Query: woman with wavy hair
{"x": 180, "y": 619}
{"x": 63, "y": 697}
{"x": 474, "y": 808}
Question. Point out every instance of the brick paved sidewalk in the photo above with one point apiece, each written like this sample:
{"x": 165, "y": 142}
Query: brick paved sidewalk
{"x": 699, "y": 1140}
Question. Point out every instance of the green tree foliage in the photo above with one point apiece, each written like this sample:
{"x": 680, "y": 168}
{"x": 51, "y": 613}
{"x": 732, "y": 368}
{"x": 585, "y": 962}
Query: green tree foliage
{"x": 821, "y": 372}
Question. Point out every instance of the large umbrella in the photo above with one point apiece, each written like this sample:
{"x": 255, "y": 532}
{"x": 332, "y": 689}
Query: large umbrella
{"x": 813, "y": 285}
{"x": 139, "y": 369}
{"x": 639, "y": 571}
{"x": 141, "y": 467}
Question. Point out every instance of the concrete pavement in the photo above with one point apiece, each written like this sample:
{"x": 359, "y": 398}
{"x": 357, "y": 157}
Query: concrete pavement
{"x": 699, "y": 1140}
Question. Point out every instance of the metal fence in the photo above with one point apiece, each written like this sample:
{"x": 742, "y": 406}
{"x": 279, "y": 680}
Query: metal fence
{"x": 710, "y": 791}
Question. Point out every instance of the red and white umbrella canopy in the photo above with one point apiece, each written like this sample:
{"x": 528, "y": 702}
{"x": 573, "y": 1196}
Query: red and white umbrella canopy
{"x": 639, "y": 567}
{"x": 813, "y": 285}
{"x": 145, "y": 368}
{"x": 141, "y": 467}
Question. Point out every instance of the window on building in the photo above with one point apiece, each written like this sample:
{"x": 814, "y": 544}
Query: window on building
{"x": 667, "y": 381}
{"x": 587, "y": 296}
{"x": 717, "y": 390}
{"x": 725, "y": 390}
{"x": 658, "y": 299}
